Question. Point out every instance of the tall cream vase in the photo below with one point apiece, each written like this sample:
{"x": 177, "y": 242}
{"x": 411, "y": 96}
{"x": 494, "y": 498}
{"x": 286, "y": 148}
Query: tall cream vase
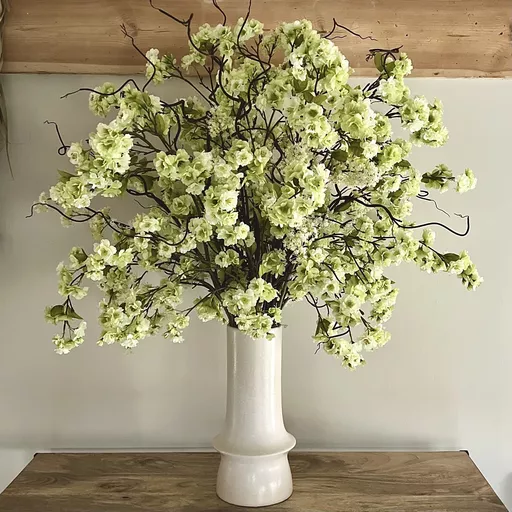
{"x": 254, "y": 444}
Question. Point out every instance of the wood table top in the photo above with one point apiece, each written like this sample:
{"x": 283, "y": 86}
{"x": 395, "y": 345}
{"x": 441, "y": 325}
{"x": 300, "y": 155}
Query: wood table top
{"x": 185, "y": 482}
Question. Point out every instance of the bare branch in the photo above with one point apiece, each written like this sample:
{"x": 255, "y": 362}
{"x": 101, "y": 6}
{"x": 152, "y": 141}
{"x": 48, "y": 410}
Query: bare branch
{"x": 63, "y": 147}
{"x": 336, "y": 25}
{"x": 216, "y": 4}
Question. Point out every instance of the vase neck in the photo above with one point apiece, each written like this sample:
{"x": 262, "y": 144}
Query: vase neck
{"x": 254, "y": 384}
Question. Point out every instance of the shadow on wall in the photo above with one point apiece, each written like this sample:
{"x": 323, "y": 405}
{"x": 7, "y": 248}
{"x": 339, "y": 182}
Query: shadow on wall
{"x": 506, "y": 494}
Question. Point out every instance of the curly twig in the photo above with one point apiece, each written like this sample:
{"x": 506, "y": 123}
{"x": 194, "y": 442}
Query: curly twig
{"x": 124, "y": 30}
{"x": 417, "y": 226}
{"x": 63, "y": 147}
{"x": 88, "y": 89}
{"x": 336, "y": 25}
{"x": 423, "y": 195}
{"x": 216, "y": 4}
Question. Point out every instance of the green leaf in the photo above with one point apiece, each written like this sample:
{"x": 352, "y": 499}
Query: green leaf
{"x": 339, "y": 155}
{"x": 344, "y": 206}
{"x": 429, "y": 177}
{"x": 64, "y": 176}
{"x": 320, "y": 99}
{"x": 378, "y": 60}
{"x": 124, "y": 185}
{"x": 149, "y": 181}
{"x": 300, "y": 85}
{"x": 356, "y": 149}
{"x": 169, "y": 60}
{"x": 390, "y": 66}
{"x": 298, "y": 40}
{"x": 161, "y": 126}
{"x": 60, "y": 314}
{"x": 57, "y": 311}
{"x": 187, "y": 109}
{"x": 450, "y": 256}
{"x": 72, "y": 314}
{"x": 308, "y": 96}
{"x": 81, "y": 256}
{"x": 322, "y": 326}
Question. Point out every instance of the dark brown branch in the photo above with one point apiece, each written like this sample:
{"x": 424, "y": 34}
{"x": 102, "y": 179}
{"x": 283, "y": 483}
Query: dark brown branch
{"x": 124, "y": 30}
{"x": 63, "y": 147}
{"x": 336, "y": 25}
{"x": 177, "y": 20}
{"x": 117, "y": 91}
{"x": 423, "y": 195}
{"x": 216, "y": 4}
{"x": 418, "y": 226}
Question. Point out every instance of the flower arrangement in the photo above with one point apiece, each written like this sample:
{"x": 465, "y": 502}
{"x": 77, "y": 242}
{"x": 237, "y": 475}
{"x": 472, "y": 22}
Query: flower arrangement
{"x": 276, "y": 181}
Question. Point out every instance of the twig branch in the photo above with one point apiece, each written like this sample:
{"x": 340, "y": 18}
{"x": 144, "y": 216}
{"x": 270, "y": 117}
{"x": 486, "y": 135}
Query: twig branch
{"x": 336, "y": 25}
{"x": 62, "y": 150}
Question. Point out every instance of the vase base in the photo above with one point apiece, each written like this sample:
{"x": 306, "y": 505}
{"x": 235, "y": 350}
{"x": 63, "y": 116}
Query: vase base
{"x": 254, "y": 481}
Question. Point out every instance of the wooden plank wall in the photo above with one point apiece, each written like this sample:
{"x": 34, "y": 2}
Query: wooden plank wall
{"x": 452, "y": 38}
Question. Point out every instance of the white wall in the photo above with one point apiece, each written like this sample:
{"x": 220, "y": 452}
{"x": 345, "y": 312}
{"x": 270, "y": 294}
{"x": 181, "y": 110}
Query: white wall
{"x": 443, "y": 382}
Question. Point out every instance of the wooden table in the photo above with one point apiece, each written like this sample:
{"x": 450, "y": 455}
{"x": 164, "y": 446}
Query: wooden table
{"x": 185, "y": 482}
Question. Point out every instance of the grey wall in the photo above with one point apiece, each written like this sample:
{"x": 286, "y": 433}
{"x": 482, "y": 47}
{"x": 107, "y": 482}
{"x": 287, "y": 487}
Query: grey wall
{"x": 443, "y": 382}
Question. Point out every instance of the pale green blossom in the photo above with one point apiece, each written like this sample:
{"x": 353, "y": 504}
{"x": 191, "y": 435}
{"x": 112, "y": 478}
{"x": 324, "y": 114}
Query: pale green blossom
{"x": 273, "y": 262}
{"x": 158, "y": 69}
{"x": 146, "y": 224}
{"x": 278, "y": 182}
{"x": 465, "y": 182}
{"x": 101, "y": 104}
{"x": 228, "y": 258}
{"x": 76, "y": 154}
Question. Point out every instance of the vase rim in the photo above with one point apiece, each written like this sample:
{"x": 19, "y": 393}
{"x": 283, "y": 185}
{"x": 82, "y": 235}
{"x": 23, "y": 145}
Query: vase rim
{"x": 274, "y": 330}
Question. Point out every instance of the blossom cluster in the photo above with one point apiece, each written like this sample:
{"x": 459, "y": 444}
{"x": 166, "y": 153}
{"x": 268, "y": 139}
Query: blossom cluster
{"x": 277, "y": 182}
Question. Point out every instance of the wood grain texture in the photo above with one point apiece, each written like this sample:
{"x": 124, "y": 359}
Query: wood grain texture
{"x": 453, "y": 38}
{"x": 185, "y": 482}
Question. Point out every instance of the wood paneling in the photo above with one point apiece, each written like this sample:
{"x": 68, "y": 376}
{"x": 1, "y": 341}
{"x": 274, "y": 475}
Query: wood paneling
{"x": 185, "y": 482}
{"x": 444, "y": 37}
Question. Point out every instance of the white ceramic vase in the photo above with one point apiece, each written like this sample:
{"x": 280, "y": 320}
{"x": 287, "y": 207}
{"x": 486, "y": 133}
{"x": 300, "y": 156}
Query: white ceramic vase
{"x": 254, "y": 444}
